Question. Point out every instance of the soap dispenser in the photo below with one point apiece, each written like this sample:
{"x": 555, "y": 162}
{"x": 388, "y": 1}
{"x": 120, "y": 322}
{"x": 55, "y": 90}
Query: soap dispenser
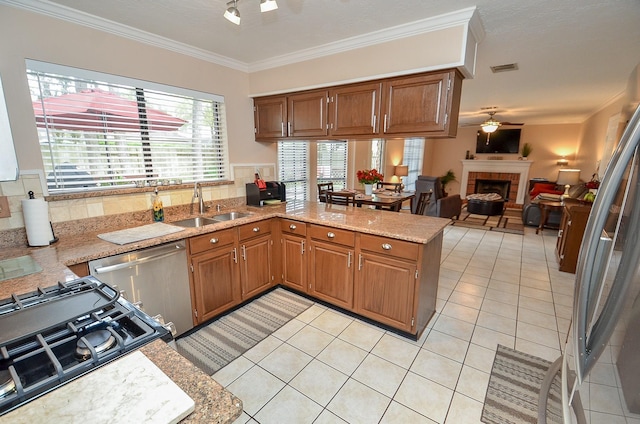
{"x": 158, "y": 211}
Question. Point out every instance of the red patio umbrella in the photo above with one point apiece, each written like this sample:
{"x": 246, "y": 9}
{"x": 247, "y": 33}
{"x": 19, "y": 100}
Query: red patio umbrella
{"x": 98, "y": 110}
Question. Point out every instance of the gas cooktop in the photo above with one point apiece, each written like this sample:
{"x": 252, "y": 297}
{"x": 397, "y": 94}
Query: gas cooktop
{"x": 53, "y": 335}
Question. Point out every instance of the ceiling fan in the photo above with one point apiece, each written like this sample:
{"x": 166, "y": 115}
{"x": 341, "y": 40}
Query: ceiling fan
{"x": 491, "y": 125}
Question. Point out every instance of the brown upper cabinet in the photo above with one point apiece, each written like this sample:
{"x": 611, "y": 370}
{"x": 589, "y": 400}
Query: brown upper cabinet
{"x": 424, "y": 104}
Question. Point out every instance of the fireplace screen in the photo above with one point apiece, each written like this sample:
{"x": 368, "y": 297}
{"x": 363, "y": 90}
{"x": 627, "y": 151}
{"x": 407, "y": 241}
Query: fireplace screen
{"x": 501, "y": 187}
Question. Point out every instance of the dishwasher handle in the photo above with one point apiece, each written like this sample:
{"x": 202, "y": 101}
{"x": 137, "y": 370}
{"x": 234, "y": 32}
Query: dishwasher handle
{"x": 143, "y": 259}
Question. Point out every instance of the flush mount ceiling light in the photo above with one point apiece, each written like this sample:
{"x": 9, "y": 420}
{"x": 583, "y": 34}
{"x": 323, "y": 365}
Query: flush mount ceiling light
{"x": 232, "y": 14}
{"x": 268, "y": 5}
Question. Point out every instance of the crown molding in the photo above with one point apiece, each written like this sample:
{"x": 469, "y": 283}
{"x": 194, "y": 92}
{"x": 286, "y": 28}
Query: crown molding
{"x": 435, "y": 23}
{"x": 467, "y": 17}
{"x": 57, "y": 11}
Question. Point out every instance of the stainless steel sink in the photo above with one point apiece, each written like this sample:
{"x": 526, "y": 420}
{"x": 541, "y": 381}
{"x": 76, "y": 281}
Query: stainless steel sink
{"x": 230, "y": 216}
{"x": 198, "y": 221}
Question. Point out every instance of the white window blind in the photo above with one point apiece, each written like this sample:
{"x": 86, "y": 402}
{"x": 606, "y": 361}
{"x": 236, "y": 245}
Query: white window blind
{"x": 377, "y": 154}
{"x": 332, "y": 164}
{"x": 293, "y": 160}
{"x": 412, "y": 157}
{"x": 97, "y": 132}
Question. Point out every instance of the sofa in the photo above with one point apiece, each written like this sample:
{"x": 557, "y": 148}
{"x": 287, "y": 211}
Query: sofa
{"x": 439, "y": 205}
{"x": 547, "y": 190}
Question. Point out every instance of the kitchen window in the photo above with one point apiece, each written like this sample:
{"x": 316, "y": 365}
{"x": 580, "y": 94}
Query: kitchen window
{"x": 332, "y": 164}
{"x": 293, "y": 160}
{"x": 99, "y": 131}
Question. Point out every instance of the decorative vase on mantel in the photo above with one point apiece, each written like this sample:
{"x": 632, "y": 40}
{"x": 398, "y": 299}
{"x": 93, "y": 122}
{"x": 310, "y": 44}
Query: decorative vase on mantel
{"x": 368, "y": 189}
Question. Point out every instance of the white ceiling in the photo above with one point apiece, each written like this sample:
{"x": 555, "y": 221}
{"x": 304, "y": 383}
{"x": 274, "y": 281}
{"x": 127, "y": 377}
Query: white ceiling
{"x": 574, "y": 56}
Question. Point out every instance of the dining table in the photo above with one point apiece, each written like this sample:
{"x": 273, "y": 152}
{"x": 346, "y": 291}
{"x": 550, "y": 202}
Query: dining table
{"x": 385, "y": 199}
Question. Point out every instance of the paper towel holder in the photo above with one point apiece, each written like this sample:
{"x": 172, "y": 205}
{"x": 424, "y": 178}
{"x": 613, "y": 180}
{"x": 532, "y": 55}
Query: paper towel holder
{"x": 54, "y": 239}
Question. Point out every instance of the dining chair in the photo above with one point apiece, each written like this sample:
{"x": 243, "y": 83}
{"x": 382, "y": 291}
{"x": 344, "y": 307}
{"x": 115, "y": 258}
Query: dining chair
{"x": 423, "y": 201}
{"x": 396, "y": 187}
{"x": 341, "y": 198}
{"x": 322, "y": 189}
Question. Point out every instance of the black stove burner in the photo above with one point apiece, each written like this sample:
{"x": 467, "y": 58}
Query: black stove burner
{"x": 100, "y": 340}
{"x": 7, "y": 385}
{"x": 53, "y": 335}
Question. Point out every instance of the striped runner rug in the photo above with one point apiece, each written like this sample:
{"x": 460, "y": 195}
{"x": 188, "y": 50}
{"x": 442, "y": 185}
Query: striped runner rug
{"x": 217, "y": 344}
{"x": 512, "y": 394}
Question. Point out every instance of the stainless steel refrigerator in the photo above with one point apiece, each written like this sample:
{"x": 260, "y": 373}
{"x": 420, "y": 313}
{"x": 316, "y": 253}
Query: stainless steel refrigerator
{"x": 599, "y": 369}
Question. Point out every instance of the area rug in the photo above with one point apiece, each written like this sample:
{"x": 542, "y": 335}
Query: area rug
{"x": 214, "y": 346}
{"x": 512, "y": 394}
{"x": 509, "y": 222}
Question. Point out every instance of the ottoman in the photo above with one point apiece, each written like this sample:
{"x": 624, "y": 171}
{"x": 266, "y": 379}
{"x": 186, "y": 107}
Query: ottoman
{"x": 489, "y": 207}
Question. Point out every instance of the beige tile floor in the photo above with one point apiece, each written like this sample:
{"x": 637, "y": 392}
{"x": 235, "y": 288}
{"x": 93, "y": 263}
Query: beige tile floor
{"x": 327, "y": 367}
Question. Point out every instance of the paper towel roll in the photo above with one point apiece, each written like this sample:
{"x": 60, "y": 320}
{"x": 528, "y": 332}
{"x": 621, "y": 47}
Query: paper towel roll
{"x": 36, "y": 222}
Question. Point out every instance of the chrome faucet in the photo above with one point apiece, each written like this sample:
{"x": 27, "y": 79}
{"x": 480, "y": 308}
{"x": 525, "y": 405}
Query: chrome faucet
{"x": 197, "y": 194}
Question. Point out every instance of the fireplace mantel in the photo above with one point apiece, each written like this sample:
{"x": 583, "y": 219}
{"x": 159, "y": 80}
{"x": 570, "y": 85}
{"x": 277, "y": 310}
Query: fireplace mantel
{"x": 520, "y": 167}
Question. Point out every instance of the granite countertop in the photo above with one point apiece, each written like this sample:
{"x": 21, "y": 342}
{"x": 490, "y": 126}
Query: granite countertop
{"x": 214, "y": 404}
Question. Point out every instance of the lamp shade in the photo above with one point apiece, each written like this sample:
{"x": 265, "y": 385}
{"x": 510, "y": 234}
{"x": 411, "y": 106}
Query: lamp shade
{"x": 568, "y": 177}
{"x": 401, "y": 171}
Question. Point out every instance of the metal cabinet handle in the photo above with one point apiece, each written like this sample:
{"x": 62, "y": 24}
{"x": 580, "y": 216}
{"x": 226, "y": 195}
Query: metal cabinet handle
{"x": 292, "y": 227}
{"x": 244, "y": 252}
{"x": 386, "y": 246}
{"x": 385, "y": 123}
{"x": 214, "y": 240}
{"x": 373, "y": 123}
{"x": 359, "y": 261}
{"x": 256, "y": 229}
{"x": 349, "y": 260}
{"x": 302, "y": 246}
{"x": 289, "y": 128}
{"x": 331, "y": 235}
{"x": 282, "y": 129}
{"x": 235, "y": 255}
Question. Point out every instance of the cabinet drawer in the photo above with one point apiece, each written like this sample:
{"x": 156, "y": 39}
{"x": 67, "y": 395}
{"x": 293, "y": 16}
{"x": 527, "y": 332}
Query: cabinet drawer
{"x": 388, "y": 246}
{"x": 254, "y": 229}
{"x": 333, "y": 235}
{"x": 210, "y": 241}
{"x": 289, "y": 226}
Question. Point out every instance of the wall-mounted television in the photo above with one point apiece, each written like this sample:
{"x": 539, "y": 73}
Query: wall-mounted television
{"x": 499, "y": 141}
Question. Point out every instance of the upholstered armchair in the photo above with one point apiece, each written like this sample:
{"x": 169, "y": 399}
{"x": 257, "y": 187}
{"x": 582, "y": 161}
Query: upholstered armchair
{"x": 441, "y": 206}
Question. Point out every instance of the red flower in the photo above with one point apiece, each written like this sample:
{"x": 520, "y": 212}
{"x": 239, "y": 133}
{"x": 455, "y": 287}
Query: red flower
{"x": 369, "y": 176}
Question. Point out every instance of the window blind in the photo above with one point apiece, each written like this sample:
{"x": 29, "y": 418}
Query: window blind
{"x": 96, "y": 134}
{"x": 412, "y": 157}
{"x": 293, "y": 160}
{"x": 332, "y": 164}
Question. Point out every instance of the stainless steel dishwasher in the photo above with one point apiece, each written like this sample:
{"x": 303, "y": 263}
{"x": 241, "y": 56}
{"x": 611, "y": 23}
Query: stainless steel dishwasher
{"x": 157, "y": 277}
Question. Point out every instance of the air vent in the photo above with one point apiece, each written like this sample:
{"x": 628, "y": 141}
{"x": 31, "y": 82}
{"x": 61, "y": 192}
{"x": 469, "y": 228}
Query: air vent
{"x": 504, "y": 68}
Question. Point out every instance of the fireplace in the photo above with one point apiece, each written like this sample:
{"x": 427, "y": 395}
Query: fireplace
{"x": 514, "y": 171}
{"x": 502, "y": 187}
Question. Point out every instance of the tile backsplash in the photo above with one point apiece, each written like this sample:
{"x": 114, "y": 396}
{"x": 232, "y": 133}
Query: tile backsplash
{"x": 129, "y": 201}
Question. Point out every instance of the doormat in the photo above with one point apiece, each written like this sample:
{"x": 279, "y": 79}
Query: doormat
{"x": 514, "y": 384}
{"x": 214, "y": 346}
{"x": 509, "y": 222}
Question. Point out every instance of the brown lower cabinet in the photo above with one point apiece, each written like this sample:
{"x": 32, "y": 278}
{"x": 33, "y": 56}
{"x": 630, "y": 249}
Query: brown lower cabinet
{"x": 229, "y": 266}
{"x": 393, "y": 282}
{"x": 215, "y": 277}
{"x": 572, "y": 226}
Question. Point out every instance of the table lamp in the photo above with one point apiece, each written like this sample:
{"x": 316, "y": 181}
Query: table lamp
{"x": 567, "y": 178}
{"x": 401, "y": 171}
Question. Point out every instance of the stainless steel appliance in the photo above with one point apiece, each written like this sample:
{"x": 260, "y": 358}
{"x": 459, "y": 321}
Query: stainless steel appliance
{"x": 52, "y": 335}
{"x": 156, "y": 279}
{"x": 604, "y": 325}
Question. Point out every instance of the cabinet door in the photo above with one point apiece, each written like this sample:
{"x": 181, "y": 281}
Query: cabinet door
{"x": 215, "y": 282}
{"x": 354, "y": 110}
{"x": 294, "y": 262}
{"x": 255, "y": 272}
{"x": 307, "y": 114}
{"x": 385, "y": 290}
{"x": 331, "y": 273}
{"x": 421, "y": 104}
{"x": 270, "y": 117}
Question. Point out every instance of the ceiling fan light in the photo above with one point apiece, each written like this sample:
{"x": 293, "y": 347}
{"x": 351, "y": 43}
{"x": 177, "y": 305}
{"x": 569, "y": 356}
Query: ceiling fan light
{"x": 268, "y": 5}
{"x": 232, "y": 14}
{"x": 490, "y": 126}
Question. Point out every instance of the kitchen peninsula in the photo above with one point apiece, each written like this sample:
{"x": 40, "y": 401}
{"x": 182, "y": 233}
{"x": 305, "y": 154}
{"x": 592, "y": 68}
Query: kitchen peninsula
{"x": 411, "y": 239}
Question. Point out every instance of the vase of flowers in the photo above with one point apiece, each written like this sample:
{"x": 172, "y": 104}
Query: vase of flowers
{"x": 369, "y": 177}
